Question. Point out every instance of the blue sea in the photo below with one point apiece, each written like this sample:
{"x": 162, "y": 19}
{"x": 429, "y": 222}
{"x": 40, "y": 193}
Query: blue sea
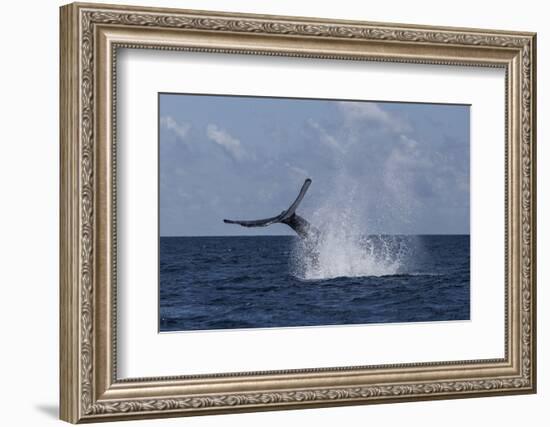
{"x": 236, "y": 282}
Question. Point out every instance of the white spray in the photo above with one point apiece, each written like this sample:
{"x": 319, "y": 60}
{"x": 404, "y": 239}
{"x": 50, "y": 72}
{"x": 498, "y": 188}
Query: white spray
{"x": 344, "y": 247}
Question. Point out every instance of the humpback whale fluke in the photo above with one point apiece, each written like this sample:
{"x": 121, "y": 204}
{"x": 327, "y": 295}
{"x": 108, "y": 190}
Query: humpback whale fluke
{"x": 289, "y": 217}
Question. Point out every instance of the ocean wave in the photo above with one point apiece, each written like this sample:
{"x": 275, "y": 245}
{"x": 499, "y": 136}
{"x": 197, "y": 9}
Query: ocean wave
{"x": 415, "y": 274}
{"x": 346, "y": 279}
{"x": 242, "y": 279}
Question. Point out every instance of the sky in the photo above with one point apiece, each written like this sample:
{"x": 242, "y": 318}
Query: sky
{"x": 394, "y": 168}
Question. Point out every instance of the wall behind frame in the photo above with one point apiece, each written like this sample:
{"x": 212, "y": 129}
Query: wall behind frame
{"x": 29, "y": 171}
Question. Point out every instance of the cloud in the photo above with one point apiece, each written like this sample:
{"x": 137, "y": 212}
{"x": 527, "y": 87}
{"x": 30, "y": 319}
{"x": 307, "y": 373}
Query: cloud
{"x": 297, "y": 170}
{"x": 408, "y": 142}
{"x": 325, "y": 137}
{"x": 372, "y": 112}
{"x": 180, "y": 129}
{"x": 230, "y": 144}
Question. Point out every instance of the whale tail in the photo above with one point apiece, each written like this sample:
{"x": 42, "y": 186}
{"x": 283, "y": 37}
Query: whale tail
{"x": 289, "y": 217}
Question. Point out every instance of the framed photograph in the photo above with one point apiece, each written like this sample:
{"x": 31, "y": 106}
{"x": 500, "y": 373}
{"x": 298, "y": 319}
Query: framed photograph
{"x": 266, "y": 212}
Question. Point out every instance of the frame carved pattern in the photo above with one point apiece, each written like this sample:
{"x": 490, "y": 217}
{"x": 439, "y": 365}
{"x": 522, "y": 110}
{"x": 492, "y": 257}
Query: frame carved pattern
{"x": 320, "y": 395}
{"x": 91, "y": 17}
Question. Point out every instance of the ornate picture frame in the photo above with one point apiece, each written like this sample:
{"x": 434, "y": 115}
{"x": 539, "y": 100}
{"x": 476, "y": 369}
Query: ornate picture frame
{"x": 90, "y": 37}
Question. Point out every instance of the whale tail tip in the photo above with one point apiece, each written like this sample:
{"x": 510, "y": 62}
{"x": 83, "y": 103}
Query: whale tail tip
{"x": 283, "y": 217}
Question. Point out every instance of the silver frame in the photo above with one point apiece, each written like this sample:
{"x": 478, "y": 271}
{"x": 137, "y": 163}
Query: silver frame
{"x": 90, "y": 37}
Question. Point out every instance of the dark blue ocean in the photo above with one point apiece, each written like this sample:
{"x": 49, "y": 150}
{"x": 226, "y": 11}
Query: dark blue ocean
{"x": 262, "y": 281}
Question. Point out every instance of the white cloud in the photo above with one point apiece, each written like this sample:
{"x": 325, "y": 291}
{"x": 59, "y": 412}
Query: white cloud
{"x": 372, "y": 112}
{"x": 298, "y": 171}
{"x": 364, "y": 110}
{"x": 180, "y": 129}
{"x": 325, "y": 137}
{"x": 408, "y": 142}
{"x": 230, "y": 144}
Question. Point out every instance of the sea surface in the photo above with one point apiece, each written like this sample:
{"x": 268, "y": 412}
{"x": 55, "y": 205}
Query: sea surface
{"x": 270, "y": 281}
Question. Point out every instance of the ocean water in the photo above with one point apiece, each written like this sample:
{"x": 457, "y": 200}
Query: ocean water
{"x": 271, "y": 281}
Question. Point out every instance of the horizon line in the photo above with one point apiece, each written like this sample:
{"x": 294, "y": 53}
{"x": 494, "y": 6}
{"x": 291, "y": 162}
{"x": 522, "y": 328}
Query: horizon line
{"x": 291, "y": 235}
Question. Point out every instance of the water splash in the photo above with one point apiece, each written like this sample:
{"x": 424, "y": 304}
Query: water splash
{"x": 343, "y": 255}
{"x": 344, "y": 248}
